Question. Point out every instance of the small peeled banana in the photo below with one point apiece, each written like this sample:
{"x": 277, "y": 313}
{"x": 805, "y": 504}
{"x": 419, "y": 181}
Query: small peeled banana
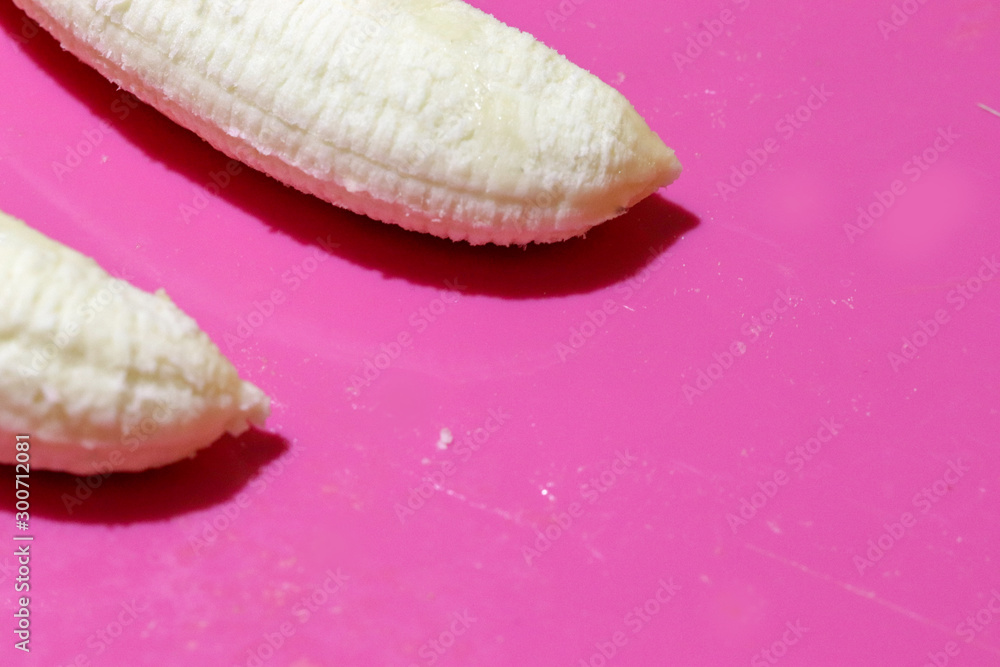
{"x": 429, "y": 114}
{"x": 100, "y": 375}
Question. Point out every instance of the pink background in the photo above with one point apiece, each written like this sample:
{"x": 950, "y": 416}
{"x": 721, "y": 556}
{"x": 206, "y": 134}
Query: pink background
{"x": 690, "y": 274}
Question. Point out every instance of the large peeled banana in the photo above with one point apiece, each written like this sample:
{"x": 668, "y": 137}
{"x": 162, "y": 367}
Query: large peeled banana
{"x": 99, "y": 375}
{"x": 426, "y": 113}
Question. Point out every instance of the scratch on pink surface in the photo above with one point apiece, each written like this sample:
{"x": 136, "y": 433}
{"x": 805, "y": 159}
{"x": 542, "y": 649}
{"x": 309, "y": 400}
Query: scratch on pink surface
{"x": 480, "y": 506}
{"x": 986, "y": 108}
{"x": 868, "y": 595}
{"x": 691, "y": 468}
{"x": 756, "y": 237}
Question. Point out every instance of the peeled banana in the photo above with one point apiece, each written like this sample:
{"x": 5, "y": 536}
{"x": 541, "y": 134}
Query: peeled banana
{"x": 429, "y": 114}
{"x": 102, "y": 376}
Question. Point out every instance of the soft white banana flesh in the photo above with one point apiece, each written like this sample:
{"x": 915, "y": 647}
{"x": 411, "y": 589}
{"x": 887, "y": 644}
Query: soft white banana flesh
{"x": 425, "y": 113}
{"x": 101, "y": 375}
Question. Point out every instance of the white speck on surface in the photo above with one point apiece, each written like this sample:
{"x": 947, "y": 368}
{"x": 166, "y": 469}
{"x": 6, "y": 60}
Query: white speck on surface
{"x": 445, "y": 438}
{"x": 775, "y": 528}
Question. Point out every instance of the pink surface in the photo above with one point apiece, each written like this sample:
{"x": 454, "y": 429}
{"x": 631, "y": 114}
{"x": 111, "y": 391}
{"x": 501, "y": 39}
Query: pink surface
{"x": 639, "y": 443}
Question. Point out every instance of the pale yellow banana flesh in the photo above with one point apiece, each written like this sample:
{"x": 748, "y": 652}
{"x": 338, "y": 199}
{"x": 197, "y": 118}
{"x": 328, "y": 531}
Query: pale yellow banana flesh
{"x": 425, "y": 113}
{"x": 100, "y": 375}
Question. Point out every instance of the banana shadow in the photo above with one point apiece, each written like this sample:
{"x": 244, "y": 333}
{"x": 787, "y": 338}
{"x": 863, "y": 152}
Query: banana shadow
{"x": 215, "y": 475}
{"x": 610, "y": 253}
